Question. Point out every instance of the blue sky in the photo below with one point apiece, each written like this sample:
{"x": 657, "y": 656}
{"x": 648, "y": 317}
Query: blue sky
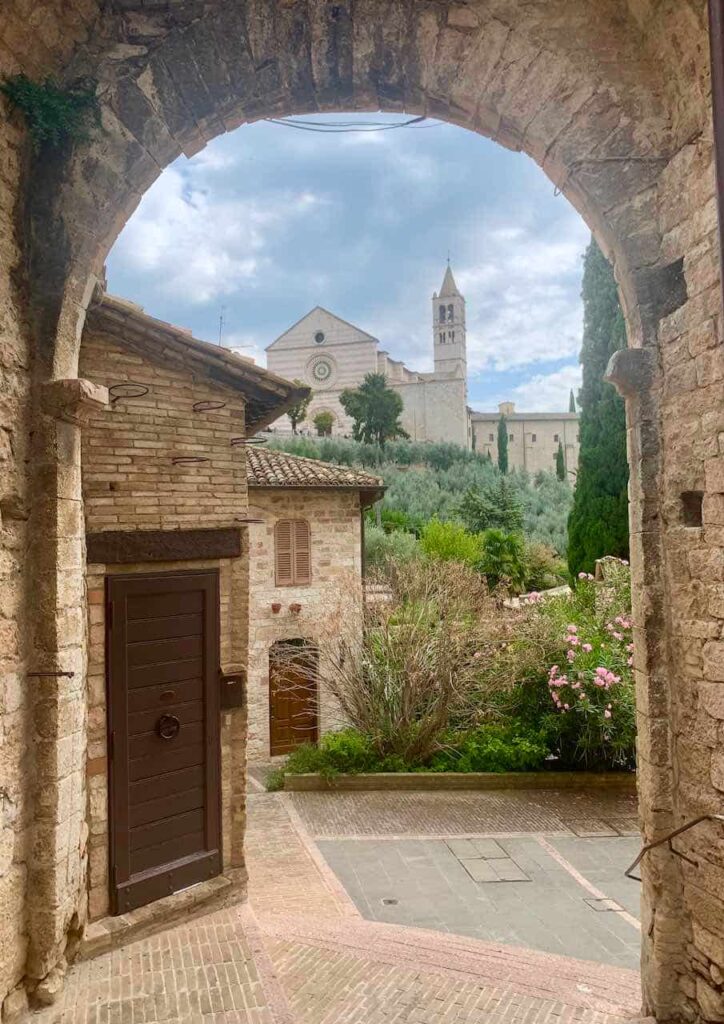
{"x": 268, "y": 222}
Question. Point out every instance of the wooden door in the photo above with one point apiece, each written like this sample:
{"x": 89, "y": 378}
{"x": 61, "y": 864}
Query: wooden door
{"x": 293, "y": 715}
{"x": 163, "y": 713}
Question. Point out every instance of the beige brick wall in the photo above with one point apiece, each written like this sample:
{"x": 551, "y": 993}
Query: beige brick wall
{"x": 330, "y": 604}
{"x": 129, "y": 483}
{"x": 129, "y": 478}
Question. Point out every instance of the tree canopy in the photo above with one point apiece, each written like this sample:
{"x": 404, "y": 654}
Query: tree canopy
{"x": 561, "y": 460}
{"x": 503, "y": 444}
{"x": 324, "y": 421}
{"x": 498, "y": 507}
{"x": 298, "y": 412}
{"x": 375, "y": 410}
{"x": 598, "y": 523}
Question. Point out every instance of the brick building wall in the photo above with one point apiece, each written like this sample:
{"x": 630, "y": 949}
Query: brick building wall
{"x": 331, "y": 604}
{"x": 129, "y": 483}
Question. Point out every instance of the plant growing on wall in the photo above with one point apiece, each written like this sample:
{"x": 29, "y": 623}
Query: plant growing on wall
{"x": 324, "y": 421}
{"x": 53, "y": 114}
{"x": 503, "y": 445}
{"x": 561, "y": 461}
{"x": 298, "y": 412}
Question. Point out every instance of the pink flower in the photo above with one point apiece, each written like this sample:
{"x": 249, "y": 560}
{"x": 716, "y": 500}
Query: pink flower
{"x": 566, "y": 707}
{"x": 587, "y": 648}
{"x": 572, "y": 628}
{"x": 570, "y": 655}
{"x": 630, "y": 662}
{"x": 616, "y": 635}
{"x": 606, "y": 713}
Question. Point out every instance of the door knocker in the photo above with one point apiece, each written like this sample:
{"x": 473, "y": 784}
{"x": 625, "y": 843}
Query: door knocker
{"x": 168, "y": 726}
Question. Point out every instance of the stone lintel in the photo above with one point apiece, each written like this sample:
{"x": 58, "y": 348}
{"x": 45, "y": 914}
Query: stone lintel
{"x": 73, "y": 399}
{"x": 630, "y": 371}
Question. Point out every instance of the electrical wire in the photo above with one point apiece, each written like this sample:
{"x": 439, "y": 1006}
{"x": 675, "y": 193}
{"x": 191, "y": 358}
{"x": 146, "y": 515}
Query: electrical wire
{"x": 343, "y": 127}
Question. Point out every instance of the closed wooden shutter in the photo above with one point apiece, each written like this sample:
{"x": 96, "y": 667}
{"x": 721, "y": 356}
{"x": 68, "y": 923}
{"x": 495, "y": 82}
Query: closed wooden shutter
{"x": 293, "y": 556}
{"x": 284, "y": 553}
{"x": 302, "y": 553}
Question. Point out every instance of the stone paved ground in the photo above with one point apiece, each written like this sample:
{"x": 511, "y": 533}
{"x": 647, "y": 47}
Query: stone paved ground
{"x": 300, "y": 952}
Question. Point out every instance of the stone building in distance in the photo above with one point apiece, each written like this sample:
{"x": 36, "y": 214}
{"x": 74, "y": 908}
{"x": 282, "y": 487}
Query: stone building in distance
{"x": 533, "y": 437}
{"x": 330, "y": 354}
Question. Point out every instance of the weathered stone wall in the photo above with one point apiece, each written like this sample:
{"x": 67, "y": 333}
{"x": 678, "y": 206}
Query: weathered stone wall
{"x": 612, "y": 100}
{"x": 331, "y": 605}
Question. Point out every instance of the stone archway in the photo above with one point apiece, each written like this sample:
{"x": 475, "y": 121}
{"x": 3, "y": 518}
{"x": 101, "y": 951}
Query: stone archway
{"x": 612, "y": 101}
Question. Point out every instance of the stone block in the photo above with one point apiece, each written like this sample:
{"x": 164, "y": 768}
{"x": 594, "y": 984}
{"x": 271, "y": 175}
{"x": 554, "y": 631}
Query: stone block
{"x": 713, "y": 654}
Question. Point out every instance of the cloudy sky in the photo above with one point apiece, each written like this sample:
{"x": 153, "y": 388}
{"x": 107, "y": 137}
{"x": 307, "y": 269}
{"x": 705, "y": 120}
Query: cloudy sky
{"x": 269, "y": 221}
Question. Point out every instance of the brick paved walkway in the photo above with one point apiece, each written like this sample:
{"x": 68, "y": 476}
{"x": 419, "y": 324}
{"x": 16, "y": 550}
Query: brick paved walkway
{"x": 299, "y": 952}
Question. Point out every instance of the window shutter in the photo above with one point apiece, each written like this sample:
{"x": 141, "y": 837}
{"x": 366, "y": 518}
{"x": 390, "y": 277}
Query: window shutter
{"x": 302, "y": 552}
{"x": 283, "y": 553}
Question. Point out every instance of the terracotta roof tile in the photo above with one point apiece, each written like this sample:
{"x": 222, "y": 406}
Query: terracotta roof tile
{"x": 267, "y": 467}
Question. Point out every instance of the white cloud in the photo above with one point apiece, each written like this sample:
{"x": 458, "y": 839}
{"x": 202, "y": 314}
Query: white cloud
{"x": 198, "y": 247}
{"x": 545, "y": 392}
{"x": 249, "y": 346}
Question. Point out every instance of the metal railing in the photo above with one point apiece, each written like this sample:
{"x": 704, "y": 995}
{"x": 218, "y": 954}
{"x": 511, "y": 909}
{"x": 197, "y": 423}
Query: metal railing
{"x": 667, "y": 839}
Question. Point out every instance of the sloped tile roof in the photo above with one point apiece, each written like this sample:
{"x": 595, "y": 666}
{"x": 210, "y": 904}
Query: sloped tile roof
{"x": 266, "y": 467}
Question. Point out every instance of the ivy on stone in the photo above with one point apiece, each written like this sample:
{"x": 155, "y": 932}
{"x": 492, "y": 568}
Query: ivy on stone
{"x": 53, "y": 114}
{"x": 598, "y": 523}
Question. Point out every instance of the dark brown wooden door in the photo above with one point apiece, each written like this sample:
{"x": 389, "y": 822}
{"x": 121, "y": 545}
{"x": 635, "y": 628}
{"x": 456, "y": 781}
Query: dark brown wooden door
{"x": 292, "y": 697}
{"x": 163, "y": 712}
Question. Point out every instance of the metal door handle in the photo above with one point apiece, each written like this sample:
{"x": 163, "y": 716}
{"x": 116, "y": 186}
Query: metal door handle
{"x": 168, "y": 726}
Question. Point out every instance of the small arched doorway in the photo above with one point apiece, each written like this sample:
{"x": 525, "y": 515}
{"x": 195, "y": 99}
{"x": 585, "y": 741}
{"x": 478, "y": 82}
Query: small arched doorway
{"x": 293, "y": 695}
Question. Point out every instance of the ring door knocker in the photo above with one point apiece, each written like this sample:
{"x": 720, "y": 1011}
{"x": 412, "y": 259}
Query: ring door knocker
{"x": 168, "y": 726}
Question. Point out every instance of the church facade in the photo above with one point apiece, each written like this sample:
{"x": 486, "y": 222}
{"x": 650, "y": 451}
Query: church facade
{"x": 330, "y": 354}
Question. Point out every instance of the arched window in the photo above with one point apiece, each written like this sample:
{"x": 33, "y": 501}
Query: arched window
{"x": 451, "y": 335}
{"x": 442, "y": 337}
{"x": 450, "y": 313}
{"x": 441, "y": 315}
{"x": 292, "y": 553}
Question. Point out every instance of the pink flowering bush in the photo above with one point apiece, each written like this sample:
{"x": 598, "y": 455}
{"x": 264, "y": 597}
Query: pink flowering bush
{"x": 590, "y": 688}
{"x": 568, "y": 672}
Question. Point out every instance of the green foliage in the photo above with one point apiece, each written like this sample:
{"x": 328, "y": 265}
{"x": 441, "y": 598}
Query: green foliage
{"x": 502, "y": 560}
{"x": 450, "y": 542}
{"x": 543, "y": 568}
{"x": 503, "y": 445}
{"x": 560, "y": 462}
{"x": 298, "y": 412}
{"x": 498, "y": 508}
{"x": 572, "y": 402}
{"x": 493, "y": 748}
{"x": 324, "y": 421}
{"x": 52, "y": 114}
{"x": 383, "y": 547}
{"x": 426, "y": 481}
{"x": 375, "y": 410}
{"x": 394, "y": 519}
{"x": 598, "y": 524}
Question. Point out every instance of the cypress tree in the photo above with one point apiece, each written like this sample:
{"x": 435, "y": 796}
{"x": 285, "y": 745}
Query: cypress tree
{"x": 560, "y": 462}
{"x": 598, "y": 523}
{"x": 503, "y": 445}
{"x": 572, "y": 402}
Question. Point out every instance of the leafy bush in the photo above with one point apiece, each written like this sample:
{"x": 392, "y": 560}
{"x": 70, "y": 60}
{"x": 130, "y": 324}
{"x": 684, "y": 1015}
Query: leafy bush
{"x": 450, "y": 542}
{"x": 544, "y": 569}
{"x": 503, "y": 560}
{"x": 493, "y": 748}
{"x": 382, "y": 548}
{"x": 565, "y": 669}
{"x": 499, "y": 508}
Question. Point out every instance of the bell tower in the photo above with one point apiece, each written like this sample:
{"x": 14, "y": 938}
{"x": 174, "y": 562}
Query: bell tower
{"x": 448, "y": 328}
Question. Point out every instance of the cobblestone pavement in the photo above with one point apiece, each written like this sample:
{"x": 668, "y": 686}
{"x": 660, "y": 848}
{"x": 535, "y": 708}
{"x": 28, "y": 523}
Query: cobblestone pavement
{"x": 299, "y": 952}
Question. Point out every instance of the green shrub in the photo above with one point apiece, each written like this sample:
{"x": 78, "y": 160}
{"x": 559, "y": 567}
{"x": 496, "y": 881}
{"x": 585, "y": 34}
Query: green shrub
{"x": 381, "y": 547}
{"x": 450, "y": 542}
{"x": 502, "y": 560}
{"x": 493, "y": 748}
{"x": 347, "y": 752}
{"x": 53, "y": 114}
{"x": 543, "y": 568}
